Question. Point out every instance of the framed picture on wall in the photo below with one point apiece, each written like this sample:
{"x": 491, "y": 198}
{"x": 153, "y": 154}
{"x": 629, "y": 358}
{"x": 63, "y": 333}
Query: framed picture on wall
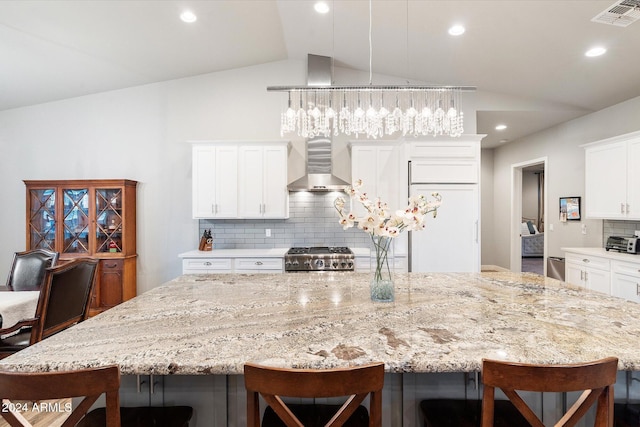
{"x": 569, "y": 209}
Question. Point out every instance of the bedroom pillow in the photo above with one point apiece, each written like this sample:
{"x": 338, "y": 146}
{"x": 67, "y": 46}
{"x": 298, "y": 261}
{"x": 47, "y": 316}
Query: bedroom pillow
{"x": 524, "y": 229}
{"x": 531, "y": 228}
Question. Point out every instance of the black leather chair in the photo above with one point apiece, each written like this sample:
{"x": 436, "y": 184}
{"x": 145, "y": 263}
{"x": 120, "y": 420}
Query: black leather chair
{"x": 27, "y": 269}
{"x": 64, "y": 300}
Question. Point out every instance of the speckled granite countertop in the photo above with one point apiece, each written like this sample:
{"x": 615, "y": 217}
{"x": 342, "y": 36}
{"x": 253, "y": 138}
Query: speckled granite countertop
{"x": 212, "y": 324}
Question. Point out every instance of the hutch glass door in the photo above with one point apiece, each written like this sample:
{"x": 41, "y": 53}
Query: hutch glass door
{"x": 109, "y": 220}
{"x": 76, "y": 221}
{"x": 42, "y": 219}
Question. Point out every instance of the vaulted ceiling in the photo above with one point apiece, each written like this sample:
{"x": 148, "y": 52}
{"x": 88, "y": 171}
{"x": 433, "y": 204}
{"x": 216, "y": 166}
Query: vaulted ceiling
{"x": 529, "y": 52}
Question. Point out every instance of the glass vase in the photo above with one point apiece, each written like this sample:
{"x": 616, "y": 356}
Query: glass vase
{"x": 382, "y": 289}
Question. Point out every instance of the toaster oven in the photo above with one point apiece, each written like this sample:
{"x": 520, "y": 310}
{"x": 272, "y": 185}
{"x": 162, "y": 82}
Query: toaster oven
{"x": 628, "y": 244}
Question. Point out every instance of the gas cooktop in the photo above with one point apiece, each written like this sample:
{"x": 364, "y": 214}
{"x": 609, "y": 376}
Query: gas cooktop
{"x": 319, "y": 258}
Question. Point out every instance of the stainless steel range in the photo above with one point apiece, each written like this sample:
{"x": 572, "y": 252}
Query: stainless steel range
{"x": 322, "y": 258}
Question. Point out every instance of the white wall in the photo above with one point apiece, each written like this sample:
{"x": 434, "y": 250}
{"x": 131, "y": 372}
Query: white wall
{"x": 564, "y": 175}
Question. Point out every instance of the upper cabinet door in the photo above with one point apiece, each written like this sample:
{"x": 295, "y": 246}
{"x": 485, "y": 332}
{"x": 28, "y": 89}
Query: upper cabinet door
{"x": 275, "y": 197}
{"x": 251, "y": 184}
{"x": 204, "y": 181}
{"x": 633, "y": 180}
{"x": 226, "y": 177}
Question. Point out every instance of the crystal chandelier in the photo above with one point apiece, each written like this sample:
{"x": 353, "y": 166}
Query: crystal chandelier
{"x": 373, "y": 111}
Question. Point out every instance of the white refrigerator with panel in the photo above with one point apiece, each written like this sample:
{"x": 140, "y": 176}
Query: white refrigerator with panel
{"x": 450, "y": 241}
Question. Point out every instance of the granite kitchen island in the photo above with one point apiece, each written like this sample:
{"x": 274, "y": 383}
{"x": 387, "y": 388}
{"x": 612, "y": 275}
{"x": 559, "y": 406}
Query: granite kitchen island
{"x": 196, "y": 332}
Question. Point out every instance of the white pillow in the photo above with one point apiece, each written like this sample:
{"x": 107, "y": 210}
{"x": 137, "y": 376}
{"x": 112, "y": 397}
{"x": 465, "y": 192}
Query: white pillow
{"x": 536, "y": 229}
{"x": 524, "y": 229}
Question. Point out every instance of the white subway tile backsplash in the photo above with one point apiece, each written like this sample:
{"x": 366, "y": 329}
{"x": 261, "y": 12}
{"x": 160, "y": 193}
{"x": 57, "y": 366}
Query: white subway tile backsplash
{"x": 313, "y": 221}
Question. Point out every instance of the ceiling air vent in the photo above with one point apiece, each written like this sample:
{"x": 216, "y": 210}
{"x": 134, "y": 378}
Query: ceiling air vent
{"x": 621, "y": 14}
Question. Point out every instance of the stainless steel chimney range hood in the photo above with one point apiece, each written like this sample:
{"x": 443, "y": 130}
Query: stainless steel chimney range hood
{"x": 319, "y": 175}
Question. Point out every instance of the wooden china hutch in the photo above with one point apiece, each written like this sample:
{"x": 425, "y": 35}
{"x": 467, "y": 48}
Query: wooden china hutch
{"x": 88, "y": 218}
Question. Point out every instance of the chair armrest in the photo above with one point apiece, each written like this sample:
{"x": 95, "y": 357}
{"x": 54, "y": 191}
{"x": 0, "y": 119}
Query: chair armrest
{"x": 19, "y": 325}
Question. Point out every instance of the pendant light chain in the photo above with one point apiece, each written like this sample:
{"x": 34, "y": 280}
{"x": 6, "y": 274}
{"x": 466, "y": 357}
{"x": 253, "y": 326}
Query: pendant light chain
{"x": 370, "y": 44}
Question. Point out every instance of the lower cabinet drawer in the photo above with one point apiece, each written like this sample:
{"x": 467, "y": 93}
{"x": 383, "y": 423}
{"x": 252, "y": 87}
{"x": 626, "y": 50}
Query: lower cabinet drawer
{"x": 589, "y": 261}
{"x": 207, "y": 264}
{"x": 629, "y": 268}
{"x": 259, "y": 264}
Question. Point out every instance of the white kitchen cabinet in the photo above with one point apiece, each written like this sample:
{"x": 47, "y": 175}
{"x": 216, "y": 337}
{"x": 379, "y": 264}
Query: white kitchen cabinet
{"x": 591, "y": 272}
{"x": 625, "y": 280}
{"x": 611, "y": 178}
{"x": 215, "y": 181}
{"x": 262, "y": 181}
{"x": 233, "y": 261}
{"x": 446, "y": 161}
{"x": 207, "y": 265}
{"x": 258, "y": 265}
{"x": 379, "y": 166}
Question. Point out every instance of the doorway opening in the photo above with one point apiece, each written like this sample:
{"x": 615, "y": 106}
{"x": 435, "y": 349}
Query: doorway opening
{"x": 528, "y": 216}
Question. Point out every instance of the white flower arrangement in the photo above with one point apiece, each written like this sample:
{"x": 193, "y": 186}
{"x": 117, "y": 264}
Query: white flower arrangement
{"x": 378, "y": 220}
{"x": 383, "y": 226}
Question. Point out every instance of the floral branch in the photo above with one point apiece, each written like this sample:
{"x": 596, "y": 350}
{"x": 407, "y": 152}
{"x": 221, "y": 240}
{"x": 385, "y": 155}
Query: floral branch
{"x": 378, "y": 221}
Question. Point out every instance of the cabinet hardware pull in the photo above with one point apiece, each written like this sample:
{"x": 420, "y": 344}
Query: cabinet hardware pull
{"x": 585, "y": 260}
{"x": 637, "y": 288}
{"x": 207, "y": 263}
{"x": 258, "y": 262}
{"x": 111, "y": 265}
{"x": 628, "y": 210}
{"x": 621, "y": 208}
{"x": 586, "y": 276}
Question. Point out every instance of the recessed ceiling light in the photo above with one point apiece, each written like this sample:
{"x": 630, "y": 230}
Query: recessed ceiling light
{"x": 188, "y": 16}
{"x": 456, "y": 30}
{"x": 595, "y": 51}
{"x": 321, "y": 7}
{"x": 501, "y": 127}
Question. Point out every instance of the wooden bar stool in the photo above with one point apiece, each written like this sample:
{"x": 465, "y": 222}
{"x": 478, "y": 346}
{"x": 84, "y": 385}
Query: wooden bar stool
{"x": 89, "y": 384}
{"x": 354, "y": 383}
{"x": 595, "y": 380}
